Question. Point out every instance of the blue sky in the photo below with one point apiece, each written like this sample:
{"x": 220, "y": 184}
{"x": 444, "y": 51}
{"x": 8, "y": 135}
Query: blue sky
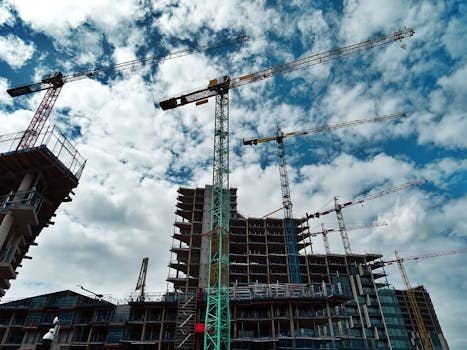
{"x": 138, "y": 155}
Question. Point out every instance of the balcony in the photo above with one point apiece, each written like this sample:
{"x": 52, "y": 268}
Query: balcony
{"x": 51, "y": 139}
{"x": 23, "y": 204}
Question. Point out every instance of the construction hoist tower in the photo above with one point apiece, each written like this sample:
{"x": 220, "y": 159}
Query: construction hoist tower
{"x": 289, "y": 224}
{"x": 217, "y": 323}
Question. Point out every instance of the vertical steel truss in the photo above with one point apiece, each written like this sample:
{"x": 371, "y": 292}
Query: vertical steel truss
{"x": 217, "y": 334}
{"x": 413, "y": 303}
{"x": 342, "y": 229}
{"x": 40, "y": 117}
{"x": 327, "y": 249}
{"x": 290, "y": 233}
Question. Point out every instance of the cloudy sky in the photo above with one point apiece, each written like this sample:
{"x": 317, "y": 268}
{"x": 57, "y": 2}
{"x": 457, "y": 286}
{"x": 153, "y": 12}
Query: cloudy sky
{"x": 138, "y": 155}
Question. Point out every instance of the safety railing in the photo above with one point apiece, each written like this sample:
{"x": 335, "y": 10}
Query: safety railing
{"x": 28, "y": 198}
{"x": 55, "y": 142}
{"x": 287, "y": 291}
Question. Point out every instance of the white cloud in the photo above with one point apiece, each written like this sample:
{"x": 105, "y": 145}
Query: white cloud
{"x": 78, "y": 27}
{"x": 447, "y": 126}
{"x": 187, "y": 17}
{"x": 6, "y": 17}
{"x": 5, "y": 99}
{"x": 14, "y": 122}
{"x": 71, "y": 14}
{"x": 350, "y": 176}
{"x": 448, "y": 131}
{"x": 361, "y": 18}
{"x": 15, "y": 51}
{"x": 456, "y": 85}
{"x": 454, "y": 38}
{"x": 443, "y": 172}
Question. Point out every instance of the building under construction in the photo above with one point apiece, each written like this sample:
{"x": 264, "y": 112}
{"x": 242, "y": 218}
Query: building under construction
{"x": 337, "y": 305}
{"x": 238, "y": 283}
{"x": 343, "y": 302}
{"x": 34, "y": 180}
{"x": 428, "y": 314}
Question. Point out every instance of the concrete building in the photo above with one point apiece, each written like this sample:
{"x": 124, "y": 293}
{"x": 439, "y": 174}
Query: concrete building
{"x": 34, "y": 181}
{"x": 85, "y": 323}
{"x": 353, "y": 318}
{"x": 428, "y": 314}
{"x": 343, "y": 301}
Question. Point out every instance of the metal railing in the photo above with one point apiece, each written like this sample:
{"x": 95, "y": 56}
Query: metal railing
{"x": 287, "y": 291}
{"x": 55, "y": 142}
{"x": 28, "y": 198}
{"x": 20, "y": 199}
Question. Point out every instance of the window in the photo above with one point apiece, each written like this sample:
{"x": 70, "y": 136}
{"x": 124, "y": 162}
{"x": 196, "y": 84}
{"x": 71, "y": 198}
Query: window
{"x": 66, "y": 317}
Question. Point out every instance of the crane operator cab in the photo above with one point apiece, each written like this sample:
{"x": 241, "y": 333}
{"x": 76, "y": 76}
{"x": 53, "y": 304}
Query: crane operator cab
{"x": 219, "y": 84}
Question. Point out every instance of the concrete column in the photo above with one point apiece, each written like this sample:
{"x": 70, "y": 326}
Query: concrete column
{"x": 14, "y": 246}
{"x": 5, "y": 228}
{"x": 9, "y": 218}
{"x": 205, "y": 239}
{"x": 26, "y": 182}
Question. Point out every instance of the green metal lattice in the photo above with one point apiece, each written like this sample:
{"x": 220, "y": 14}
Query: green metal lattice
{"x": 217, "y": 334}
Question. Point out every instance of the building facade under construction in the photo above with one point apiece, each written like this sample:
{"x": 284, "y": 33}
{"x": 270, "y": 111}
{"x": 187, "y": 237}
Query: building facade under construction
{"x": 34, "y": 180}
{"x": 336, "y": 305}
{"x": 342, "y": 302}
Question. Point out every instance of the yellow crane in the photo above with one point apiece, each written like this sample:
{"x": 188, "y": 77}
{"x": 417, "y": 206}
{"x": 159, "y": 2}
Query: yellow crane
{"x": 413, "y": 303}
{"x": 410, "y": 293}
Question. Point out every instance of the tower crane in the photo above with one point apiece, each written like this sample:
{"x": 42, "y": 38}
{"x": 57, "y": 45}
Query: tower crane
{"x": 141, "y": 283}
{"x": 217, "y": 320}
{"x": 338, "y": 208}
{"x": 324, "y": 231}
{"x": 410, "y": 293}
{"x": 290, "y": 232}
{"x": 424, "y": 256}
{"x": 54, "y": 82}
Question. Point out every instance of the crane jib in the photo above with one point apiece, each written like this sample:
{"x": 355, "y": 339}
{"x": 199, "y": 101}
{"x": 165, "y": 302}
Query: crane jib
{"x": 301, "y": 63}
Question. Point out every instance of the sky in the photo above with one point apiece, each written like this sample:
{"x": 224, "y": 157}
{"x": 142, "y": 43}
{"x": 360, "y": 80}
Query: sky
{"x": 138, "y": 155}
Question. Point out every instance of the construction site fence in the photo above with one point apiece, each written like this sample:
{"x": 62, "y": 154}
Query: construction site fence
{"x": 55, "y": 142}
